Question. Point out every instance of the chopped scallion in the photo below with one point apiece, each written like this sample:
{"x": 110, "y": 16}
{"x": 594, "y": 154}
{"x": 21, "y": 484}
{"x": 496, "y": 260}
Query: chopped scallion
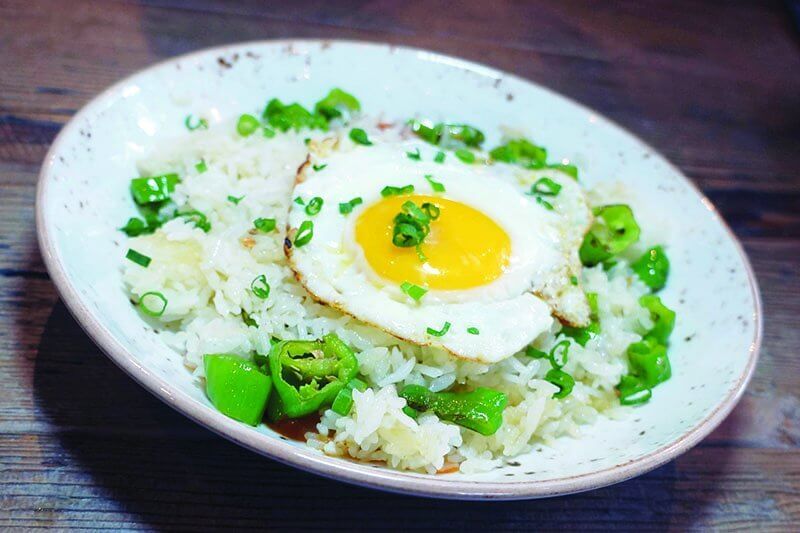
{"x": 138, "y": 258}
{"x": 193, "y": 123}
{"x": 435, "y": 185}
{"x": 317, "y": 168}
{"x": 235, "y": 199}
{"x": 415, "y": 155}
{"x": 265, "y": 225}
{"x": 153, "y": 309}
{"x": 545, "y": 187}
{"x": 415, "y": 292}
{"x": 391, "y": 190}
{"x": 314, "y": 206}
{"x": 260, "y": 287}
{"x": 201, "y": 166}
{"x": 304, "y": 233}
{"x": 359, "y": 136}
{"x": 347, "y": 207}
{"x": 544, "y": 203}
{"x": 473, "y": 331}
{"x": 439, "y": 157}
{"x": 440, "y": 332}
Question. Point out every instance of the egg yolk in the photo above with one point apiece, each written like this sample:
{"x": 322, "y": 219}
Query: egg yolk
{"x": 464, "y": 249}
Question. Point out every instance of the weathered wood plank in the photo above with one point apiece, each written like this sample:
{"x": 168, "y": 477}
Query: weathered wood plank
{"x": 697, "y": 115}
{"x": 713, "y": 85}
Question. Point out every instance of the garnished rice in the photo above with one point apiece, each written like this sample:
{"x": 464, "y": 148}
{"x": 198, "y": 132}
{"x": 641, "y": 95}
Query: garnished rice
{"x": 206, "y": 278}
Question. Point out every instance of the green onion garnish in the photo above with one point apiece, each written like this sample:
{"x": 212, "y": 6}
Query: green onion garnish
{"x": 412, "y": 225}
{"x": 235, "y": 199}
{"x": 533, "y": 353}
{"x": 153, "y": 311}
{"x": 439, "y": 158}
{"x": 545, "y": 187}
{"x": 317, "y": 168}
{"x": 193, "y": 123}
{"x": 314, "y": 206}
{"x": 347, "y": 207}
{"x": 559, "y": 358}
{"x": 544, "y": 203}
{"x": 440, "y": 332}
{"x": 268, "y": 133}
{"x": 265, "y": 225}
{"x": 304, "y": 233}
{"x": 415, "y": 155}
{"x": 248, "y": 320}
{"x": 299, "y": 201}
{"x": 473, "y": 331}
{"x": 136, "y": 257}
{"x": 247, "y": 125}
{"x": 573, "y": 280}
{"x": 465, "y": 155}
{"x": 260, "y": 287}
{"x": 199, "y": 219}
{"x": 435, "y": 185}
{"x": 307, "y": 140}
{"x": 391, "y": 190}
{"x": 360, "y": 136}
{"x": 415, "y": 292}
{"x": 201, "y": 166}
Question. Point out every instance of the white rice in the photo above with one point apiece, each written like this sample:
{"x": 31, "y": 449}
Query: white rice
{"x": 206, "y": 279}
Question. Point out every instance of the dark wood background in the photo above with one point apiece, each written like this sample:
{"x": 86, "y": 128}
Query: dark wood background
{"x": 713, "y": 85}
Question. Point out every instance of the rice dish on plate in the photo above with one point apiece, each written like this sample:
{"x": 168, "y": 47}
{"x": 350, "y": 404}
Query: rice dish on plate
{"x": 423, "y": 302}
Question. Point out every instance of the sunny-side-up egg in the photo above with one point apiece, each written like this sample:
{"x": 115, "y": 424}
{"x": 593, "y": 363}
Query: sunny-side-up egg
{"x": 487, "y": 255}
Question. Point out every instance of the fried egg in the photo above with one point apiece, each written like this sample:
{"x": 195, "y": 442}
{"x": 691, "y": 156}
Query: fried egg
{"x": 496, "y": 263}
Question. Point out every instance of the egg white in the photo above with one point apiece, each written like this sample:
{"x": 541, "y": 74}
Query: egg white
{"x": 507, "y": 312}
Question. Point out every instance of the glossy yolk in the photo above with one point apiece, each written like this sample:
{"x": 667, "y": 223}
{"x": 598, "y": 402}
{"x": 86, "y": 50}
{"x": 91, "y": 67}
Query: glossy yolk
{"x": 464, "y": 248}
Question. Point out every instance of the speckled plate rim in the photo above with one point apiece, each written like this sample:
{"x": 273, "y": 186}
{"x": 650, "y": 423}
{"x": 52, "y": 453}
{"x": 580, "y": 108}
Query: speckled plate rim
{"x": 352, "y": 472}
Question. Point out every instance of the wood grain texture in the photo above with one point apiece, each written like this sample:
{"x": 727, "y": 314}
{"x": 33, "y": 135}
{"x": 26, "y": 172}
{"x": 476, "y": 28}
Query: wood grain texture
{"x": 713, "y": 85}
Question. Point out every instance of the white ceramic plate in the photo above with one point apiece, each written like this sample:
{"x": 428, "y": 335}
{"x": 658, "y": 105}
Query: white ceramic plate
{"x": 83, "y": 197}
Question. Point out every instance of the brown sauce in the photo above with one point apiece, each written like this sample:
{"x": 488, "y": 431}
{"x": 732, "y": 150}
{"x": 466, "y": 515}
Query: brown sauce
{"x": 296, "y": 428}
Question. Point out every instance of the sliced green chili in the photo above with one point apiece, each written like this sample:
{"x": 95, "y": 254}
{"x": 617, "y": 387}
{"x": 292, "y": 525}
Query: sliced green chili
{"x": 154, "y": 188}
{"x": 237, "y": 387}
{"x": 480, "y": 410}
{"x": 663, "y": 317}
{"x": 613, "y": 231}
{"x": 562, "y": 380}
{"x": 652, "y": 268}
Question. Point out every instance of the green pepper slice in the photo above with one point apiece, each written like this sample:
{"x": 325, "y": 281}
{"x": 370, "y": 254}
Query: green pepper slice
{"x": 154, "y": 188}
{"x": 480, "y": 410}
{"x": 663, "y": 318}
{"x": 649, "y": 362}
{"x": 613, "y": 231}
{"x": 307, "y": 375}
{"x": 652, "y": 268}
{"x": 236, "y": 387}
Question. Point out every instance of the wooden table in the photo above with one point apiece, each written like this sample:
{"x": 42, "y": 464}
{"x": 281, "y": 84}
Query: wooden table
{"x": 715, "y": 87}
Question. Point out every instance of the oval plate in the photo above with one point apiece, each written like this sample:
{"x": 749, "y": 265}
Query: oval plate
{"x": 82, "y": 199}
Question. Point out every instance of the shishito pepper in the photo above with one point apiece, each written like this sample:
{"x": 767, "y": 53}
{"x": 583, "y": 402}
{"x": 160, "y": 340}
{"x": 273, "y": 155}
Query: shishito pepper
{"x": 237, "y": 387}
{"x": 480, "y": 410}
{"x": 307, "y": 375}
